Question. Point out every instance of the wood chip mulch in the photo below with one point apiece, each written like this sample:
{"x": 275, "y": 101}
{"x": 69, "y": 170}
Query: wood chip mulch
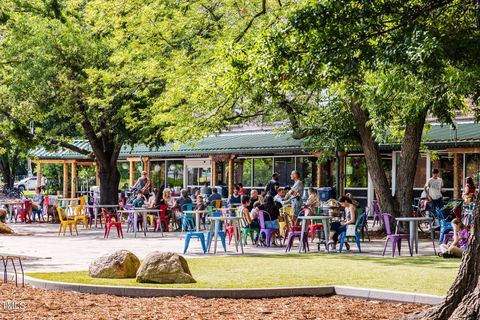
{"x": 33, "y": 303}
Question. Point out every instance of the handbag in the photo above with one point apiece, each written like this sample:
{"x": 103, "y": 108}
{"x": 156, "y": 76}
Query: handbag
{"x": 350, "y": 230}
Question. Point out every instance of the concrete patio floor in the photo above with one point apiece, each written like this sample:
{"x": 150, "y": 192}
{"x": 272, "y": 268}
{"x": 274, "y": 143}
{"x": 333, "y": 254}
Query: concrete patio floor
{"x": 74, "y": 253}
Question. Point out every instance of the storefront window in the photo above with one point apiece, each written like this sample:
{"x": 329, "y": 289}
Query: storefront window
{"x": 262, "y": 171}
{"x": 247, "y": 172}
{"x": 472, "y": 167}
{"x": 356, "y": 174}
{"x": 305, "y": 168}
{"x": 444, "y": 163}
{"x": 421, "y": 174}
{"x": 175, "y": 173}
{"x": 157, "y": 174}
{"x": 284, "y": 166}
{"x": 124, "y": 169}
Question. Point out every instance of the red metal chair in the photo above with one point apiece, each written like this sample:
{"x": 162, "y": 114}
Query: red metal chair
{"x": 107, "y": 215}
{"x": 25, "y": 212}
{"x": 313, "y": 227}
{"x": 162, "y": 218}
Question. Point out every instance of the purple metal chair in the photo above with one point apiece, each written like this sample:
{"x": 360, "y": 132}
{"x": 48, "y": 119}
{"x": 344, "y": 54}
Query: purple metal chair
{"x": 377, "y": 216}
{"x": 267, "y": 231}
{"x": 294, "y": 232}
{"x": 395, "y": 238}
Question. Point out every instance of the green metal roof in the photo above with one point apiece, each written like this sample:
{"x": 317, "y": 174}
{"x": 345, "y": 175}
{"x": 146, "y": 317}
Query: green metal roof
{"x": 238, "y": 143}
{"x": 466, "y": 134}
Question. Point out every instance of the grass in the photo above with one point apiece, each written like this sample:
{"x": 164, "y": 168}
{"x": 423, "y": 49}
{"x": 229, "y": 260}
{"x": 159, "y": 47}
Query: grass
{"x": 430, "y": 275}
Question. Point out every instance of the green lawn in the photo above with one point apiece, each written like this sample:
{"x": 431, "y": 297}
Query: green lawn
{"x": 431, "y": 275}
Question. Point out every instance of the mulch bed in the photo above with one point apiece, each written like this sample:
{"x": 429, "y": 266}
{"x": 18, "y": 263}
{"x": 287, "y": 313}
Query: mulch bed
{"x": 33, "y": 303}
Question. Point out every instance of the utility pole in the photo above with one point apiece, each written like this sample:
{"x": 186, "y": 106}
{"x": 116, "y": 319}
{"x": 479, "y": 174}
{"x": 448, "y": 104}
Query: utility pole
{"x": 29, "y": 162}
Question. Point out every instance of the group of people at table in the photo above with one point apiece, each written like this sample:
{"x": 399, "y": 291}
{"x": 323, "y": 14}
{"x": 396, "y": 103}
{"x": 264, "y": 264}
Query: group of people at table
{"x": 270, "y": 203}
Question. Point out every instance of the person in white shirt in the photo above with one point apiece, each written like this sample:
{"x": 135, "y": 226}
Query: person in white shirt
{"x": 434, "y": 189}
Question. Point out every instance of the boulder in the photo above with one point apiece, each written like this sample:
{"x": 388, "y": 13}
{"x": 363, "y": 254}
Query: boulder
{"x": 5, "y": 229}
{"x": 118, "y": 265}
{"x": 164, "y": 267}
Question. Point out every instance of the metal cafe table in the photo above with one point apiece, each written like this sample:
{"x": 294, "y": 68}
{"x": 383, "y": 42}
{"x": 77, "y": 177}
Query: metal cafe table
{"x": 216, "y": 226}
{"x": 326, "y": 226}
{"x": 413, "y": 226}
{"x": 144, "y": 212}
{"x": 97, "y": 207}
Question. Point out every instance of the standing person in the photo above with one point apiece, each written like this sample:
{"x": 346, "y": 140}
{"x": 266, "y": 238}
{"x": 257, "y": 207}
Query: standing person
{"x": 434, "y": 189}
{"x": 43, "y": 183}
{"x": 273, "y": 185}
{"x": 296, "y": 192}
{"x": 143, "y": 184}
{"x": 469, "y": 192}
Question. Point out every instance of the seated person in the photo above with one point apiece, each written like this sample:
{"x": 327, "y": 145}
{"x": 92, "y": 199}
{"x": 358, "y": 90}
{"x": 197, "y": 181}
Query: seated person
{"x": 182, "y": 200}
{"x": 235, "y": 198}
{"x": 205, "y": 190}
{"x": 460, "y": 241}
{"x": 337, "y": 227}
{"x": 255, "y": 209}
{"x": 167, "y": 197}
{"x": 280, "y": 196}
{"x": 271, "y": 220}
{"x": 313, "y": 201}
{"x": 201, "y": 204}
{"x": 241, "y": 191}
{"x": 214, "y": 196}
{"x": 250, "y": 219}
{"x": 254, "y": 197}
{"x": 37, "y": 200}
{"x": 122, "y": 200}
{"x": 139, "y": 200}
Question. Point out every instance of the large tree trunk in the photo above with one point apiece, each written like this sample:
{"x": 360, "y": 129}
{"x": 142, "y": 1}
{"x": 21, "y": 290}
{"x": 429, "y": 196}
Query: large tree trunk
{"x": 401, "y": 204}
{"x": 8, "y": 168}
{"x": 374, "y": 160}
{"x": 109, "y": 180}
{"x": 407, "y": 166}
{"x": 463, "y": 298}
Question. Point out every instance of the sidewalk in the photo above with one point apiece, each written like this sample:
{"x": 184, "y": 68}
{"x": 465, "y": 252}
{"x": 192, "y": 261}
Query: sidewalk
{"x": 74, "y": 253}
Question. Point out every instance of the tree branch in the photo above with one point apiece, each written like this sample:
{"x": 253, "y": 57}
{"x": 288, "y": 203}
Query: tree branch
{"x": 250, "y": 23}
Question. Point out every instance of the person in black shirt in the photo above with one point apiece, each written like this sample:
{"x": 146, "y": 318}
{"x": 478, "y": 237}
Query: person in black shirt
{"x": 272, "y": 187}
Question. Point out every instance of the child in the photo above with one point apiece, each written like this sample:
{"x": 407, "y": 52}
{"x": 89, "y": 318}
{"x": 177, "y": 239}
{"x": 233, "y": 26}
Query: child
{"x": 140, "y": 200}
{"x": 313, "y": 200}
{"x": 460, "y": 241}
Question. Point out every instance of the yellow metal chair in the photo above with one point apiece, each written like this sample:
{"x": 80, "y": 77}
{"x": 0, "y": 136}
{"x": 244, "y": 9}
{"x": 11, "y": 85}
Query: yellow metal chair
{"x": 64, "y": 222}
{"x": 218, "y": 203}
{"x": 80, "y": 213}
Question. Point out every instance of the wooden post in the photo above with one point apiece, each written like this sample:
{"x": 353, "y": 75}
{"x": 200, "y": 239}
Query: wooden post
{"x": 230, "y": 176}
{"x": 341, "y": 184}
{"x": 318, "y": 171}
{"x": 39, "y": 174}
{"x": 146, "y": 164}
{"x": 65, "y": 179}
{"x": 97, "y": 175}
{"x": 132, "y": 173}
{"x": 74, "y": 180}
{"x": 457, "y": 176}
{"x": 214, "y": 173}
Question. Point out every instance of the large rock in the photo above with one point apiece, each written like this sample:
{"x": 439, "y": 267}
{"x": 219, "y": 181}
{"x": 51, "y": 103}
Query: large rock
{"x": 164, "y": 267}
{"x": 118, "y": 265}
{"x": 5, "y": 229}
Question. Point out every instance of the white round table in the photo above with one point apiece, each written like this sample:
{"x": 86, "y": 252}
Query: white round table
{"x": 216, "y": 226}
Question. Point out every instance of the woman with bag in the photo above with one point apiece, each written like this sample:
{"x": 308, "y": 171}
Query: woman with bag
{"x": 337, "y": 227}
